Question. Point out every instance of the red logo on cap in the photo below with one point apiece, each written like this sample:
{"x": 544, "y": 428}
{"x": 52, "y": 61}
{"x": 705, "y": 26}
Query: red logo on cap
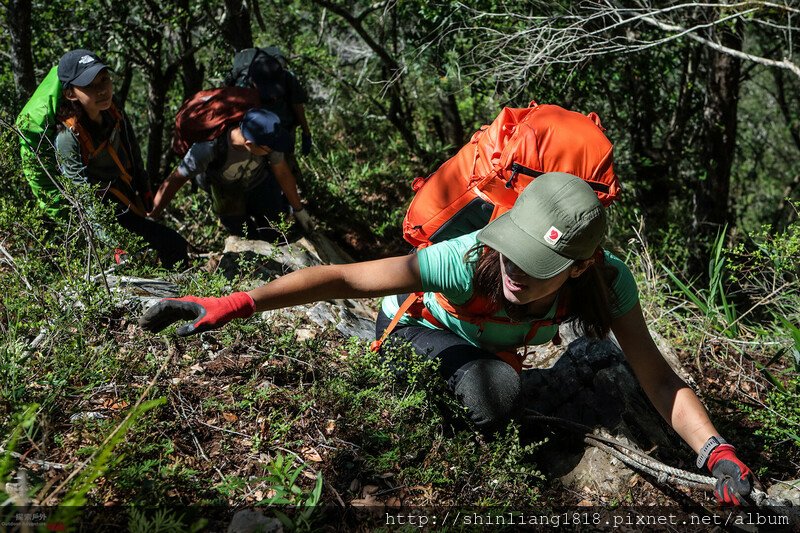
{"x": 553, "y": 235}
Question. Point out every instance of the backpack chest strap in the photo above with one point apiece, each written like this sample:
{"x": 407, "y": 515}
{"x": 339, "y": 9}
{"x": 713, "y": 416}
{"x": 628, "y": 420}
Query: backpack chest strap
{"x": 89, "y": 151}
{"x": 414, "y": 306}
{"x": 478, "y": 311}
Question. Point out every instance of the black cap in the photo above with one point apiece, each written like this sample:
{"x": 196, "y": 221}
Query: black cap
{"x": 267, "y": 73}
{"x": 79, "y": 68}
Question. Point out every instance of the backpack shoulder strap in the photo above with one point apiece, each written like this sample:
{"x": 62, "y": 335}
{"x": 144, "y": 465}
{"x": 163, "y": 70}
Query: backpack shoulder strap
{"x": 88, "y": 147}
{"x": 116, "y": 114}
{"x": 220, "y": 152}
{"x": 89, "y": 150}
{"x": 85, "y": 141}
{"x": 414, "y": 297}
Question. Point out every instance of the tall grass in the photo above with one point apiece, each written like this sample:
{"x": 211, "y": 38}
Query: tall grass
{"x": 712, "y": 301}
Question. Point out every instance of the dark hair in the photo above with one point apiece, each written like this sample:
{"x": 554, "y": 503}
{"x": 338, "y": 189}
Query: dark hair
{"x": 589, "y": 296}
{"x": 66, "y": 109}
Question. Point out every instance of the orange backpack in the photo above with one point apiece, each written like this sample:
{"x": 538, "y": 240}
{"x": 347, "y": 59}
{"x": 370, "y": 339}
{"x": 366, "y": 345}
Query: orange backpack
{"x": 483, "y": 180}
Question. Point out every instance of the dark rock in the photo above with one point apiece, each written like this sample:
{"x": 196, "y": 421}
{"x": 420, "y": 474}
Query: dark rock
{"x": 247, "y": 521}
{"x": 589, "y": 388}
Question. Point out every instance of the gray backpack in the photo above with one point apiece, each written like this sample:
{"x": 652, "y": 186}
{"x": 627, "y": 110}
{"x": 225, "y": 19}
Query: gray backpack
{"x": 239, "y": 76}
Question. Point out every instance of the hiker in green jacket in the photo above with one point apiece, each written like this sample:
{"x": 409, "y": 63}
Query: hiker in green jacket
{"x": 95, "y": 144}
{"x": 539, "y": 264}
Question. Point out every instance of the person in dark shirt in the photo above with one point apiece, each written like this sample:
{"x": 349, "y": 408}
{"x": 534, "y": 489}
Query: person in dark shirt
{"x": 96, "y": 145}
{"x": 246, "y": 173}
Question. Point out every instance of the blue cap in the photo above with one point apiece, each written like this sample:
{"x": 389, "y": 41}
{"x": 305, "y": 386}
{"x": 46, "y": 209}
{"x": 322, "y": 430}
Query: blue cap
{"x": 263, "y": 128}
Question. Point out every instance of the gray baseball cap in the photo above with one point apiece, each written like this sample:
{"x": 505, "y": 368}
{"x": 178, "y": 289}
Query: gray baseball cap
{"x": 556, "y": 220}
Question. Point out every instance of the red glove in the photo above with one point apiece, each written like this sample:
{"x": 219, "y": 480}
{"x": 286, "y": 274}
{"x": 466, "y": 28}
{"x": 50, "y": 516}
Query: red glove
{"x": 734, "y": 479}
{"x": 206, "y": 313}
{"x": 120, "y": 256}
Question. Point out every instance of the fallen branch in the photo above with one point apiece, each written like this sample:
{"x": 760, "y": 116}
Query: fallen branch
{"x": 47, "y": 465}
{"x": 131, "y": 412}
{"x": 639, "y": 460}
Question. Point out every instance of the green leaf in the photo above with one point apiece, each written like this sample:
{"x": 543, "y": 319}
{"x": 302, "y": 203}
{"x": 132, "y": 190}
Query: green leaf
{"x": 770, "y": 377}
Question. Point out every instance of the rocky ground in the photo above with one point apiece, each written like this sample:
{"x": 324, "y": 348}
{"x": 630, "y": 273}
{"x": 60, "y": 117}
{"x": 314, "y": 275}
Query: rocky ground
{"x": 579, "y": 387}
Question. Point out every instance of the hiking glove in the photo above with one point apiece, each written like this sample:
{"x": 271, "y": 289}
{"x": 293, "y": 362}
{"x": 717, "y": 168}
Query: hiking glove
{"x": 304, "y": 219}
{"x": 306, "y": 143}
{"x": 206, "y": 313}
{"x": 734, "y": 479}
{"x": 120, "y": 256}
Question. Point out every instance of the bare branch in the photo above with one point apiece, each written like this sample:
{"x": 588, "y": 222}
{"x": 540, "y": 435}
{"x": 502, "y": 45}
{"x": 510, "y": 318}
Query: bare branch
{"x": 600, "y": 28}
{"x": 784, "y": 64}
{"x": 83, "y": 217}
{"x": 358, "y": 27}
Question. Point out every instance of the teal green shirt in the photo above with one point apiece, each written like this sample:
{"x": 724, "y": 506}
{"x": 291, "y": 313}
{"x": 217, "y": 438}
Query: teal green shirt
{"x": 444, "y": 269}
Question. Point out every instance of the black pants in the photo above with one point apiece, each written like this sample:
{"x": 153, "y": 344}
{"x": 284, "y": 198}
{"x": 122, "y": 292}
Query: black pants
{"x": 485, "y": 384}
{"x": 261, "y": 208}
{"x": 168, "y": 244}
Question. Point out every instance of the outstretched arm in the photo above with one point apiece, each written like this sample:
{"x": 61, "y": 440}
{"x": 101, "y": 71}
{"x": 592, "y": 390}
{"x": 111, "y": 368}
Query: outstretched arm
{"x": 673, "y": 399}
{"x": 288, "y": 184}
{"x": 368, "y": 279}
{"x": 681, "y": 407}
{"x": 299, "y": 111}
{"x": 356, "y": 280}
{"x": 300, "y": 118}
{"x": 166, "y": 192}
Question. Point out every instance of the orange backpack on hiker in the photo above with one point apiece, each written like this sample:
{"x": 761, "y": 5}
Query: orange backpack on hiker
{"x": 483, "y": 180}
{"x": 207, "y": 114}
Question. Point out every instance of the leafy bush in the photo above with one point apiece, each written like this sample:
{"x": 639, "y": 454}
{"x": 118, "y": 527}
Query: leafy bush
{"x": 779, "y": 417}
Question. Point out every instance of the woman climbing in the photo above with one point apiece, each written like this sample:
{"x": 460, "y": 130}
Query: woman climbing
{"x": 96, "y": 144}
{"x": 535, "y": 266}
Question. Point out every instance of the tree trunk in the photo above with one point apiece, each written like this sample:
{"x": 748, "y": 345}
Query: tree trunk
{"x": 785, "y": 213}
{"x": 158, "y": 85}
{"x": 192, "y": 76}
{"x": 19, "y": 26}
{"x": 156, "y": 99}
{"x": 647, "y": 162}
{"x": 236, "y": 25}
{"x": 711, "y": 194}
{"x": 191, "y": 73}
{"x": 451, "y": 121}
{"x": 656, "y": 160}
{"x": 402, "y": 118}
{"x": 122, "y": 89}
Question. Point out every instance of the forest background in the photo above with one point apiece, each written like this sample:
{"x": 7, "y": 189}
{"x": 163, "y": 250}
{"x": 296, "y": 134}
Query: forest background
{"x": 702, "y": 103}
